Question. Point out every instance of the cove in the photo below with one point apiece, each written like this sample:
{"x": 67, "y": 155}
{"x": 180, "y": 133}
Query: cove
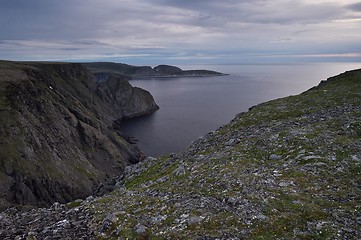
{"x": 191, "y": 107}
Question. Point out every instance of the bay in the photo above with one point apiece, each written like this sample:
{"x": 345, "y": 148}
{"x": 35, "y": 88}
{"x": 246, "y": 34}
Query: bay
{"x": 191, "y": 107}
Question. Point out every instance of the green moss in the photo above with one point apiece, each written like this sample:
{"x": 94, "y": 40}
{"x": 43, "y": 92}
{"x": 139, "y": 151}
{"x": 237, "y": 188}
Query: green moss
{"x": 288, "y": 213}
{"x": 73, "y": 204}
{"x": 355, "y": 170}
{"x": 355, "y": 129}
{"x": 119, "y": 139}
{"x": 157, "y": 170}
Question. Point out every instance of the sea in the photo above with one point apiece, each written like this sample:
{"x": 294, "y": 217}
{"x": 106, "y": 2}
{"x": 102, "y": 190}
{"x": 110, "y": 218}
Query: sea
{"x": 190, "y": 107}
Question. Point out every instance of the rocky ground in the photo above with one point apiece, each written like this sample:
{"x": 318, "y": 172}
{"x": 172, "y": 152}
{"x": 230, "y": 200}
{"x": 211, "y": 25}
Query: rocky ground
{"x": 286, "y": 169}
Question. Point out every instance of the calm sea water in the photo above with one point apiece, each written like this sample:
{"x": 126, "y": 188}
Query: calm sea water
{"x": 191, "y": 107}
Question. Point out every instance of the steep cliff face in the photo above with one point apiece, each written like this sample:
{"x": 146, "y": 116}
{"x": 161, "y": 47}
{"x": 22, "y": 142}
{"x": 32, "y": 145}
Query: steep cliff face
{"x": 168, "y": 70}
{"x": 130, "y": 101}
{"x": 56, "y": 137}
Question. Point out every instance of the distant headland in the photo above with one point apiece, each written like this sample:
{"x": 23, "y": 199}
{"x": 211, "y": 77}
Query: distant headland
{"x": 160, "y": 71}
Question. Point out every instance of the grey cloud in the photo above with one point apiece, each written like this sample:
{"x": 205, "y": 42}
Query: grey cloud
{"x": 73, "y": 19}
{"x": 163, "y": 27}
{"x": 55, "y": 20}
{"x": 261, "y": 11}
{"x": 71, "y": 49}
{"x": 355, "y": 7}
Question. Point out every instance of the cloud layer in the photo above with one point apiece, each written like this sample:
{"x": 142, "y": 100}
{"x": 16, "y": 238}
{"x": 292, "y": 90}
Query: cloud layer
{"x": 159, "y": 31}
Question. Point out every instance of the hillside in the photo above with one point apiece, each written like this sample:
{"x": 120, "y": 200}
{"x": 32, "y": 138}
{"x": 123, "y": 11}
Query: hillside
{"x": 58, "y": 136}
{"x": 286, "y": 169}
{"x": 161, "y": 71}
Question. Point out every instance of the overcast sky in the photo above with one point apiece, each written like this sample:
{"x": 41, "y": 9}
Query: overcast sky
{"x": 181, "y": 31}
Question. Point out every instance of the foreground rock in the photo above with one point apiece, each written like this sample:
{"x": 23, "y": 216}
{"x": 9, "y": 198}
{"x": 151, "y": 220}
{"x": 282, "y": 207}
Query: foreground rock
{"x": 57, "y": 138}
{"x": 286, "y": 169}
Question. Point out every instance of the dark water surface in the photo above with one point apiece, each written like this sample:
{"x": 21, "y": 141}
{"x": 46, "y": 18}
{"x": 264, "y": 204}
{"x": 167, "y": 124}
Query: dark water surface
{"x": 191, "y": 107}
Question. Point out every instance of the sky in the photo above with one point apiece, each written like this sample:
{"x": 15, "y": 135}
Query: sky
{"x": 181, "y": 31}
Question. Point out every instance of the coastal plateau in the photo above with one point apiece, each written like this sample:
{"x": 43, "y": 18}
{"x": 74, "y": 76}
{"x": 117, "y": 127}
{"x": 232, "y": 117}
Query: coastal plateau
{"x": 286, "y": 169}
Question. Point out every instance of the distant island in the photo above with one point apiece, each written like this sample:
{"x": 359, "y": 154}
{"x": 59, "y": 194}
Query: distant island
{"x": 160, "y": 71}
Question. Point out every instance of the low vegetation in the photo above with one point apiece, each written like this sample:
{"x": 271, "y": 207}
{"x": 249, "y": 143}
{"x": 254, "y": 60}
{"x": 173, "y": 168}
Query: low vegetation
{"x": 288, "y": 168}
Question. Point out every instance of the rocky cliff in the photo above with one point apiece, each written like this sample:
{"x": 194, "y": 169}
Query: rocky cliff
{"x": 286, "y": 169}
{"x": 129, "y": 101}
{"x": 160, "y": 71}
{"x": 57, "y": 138}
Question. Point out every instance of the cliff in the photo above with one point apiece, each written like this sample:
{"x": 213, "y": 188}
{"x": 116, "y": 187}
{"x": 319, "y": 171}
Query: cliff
{"x": 286, "y": 169}
{"x": 161, "y": 71}
{"x": 129, "y": 101}
{"x": 56, "y": 136}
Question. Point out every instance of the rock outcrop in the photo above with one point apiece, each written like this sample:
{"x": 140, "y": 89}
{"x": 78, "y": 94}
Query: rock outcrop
{"x": 57, "y": 142}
